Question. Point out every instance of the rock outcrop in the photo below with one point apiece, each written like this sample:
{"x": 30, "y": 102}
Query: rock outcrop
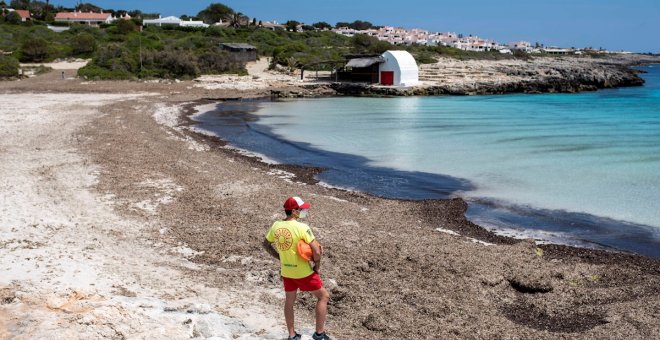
{"x": 483, "y": 77}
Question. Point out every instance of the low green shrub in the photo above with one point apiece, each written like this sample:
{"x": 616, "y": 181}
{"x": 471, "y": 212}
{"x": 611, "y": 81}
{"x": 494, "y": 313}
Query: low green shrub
{"x": 13, "y": 18}
{"x": 34, "y": 50}
{"x": 8, "y": 67}
{"x": 83, "y": 44}
{"x": 41, "y": 69}
{"x": 96, "y": 73}
{"x": 425, "y": 58}
{"x": 126, "y": 26}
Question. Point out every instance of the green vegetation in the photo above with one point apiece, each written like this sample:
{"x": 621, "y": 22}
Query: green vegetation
{"x": 122, "y": 51}
{"x": 83, "y": 45}
{"x": 292, "y": 25}
{"x": 216, "y": 13}
{"x": 12, "y": 18}
{"x": 322, "y": 25}
{"x": 365, "y": 44}
{"x": 356, "y": 25}
{"x": 426, "y": 54}
{"x": 34, "y": 50}
{"x": 8, "y": 67}
{"x": 36, "y": 43}
{"x": 160, "y": 53}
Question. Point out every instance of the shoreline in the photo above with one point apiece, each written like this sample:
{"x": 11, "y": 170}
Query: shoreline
{"x": 306, "y": 174}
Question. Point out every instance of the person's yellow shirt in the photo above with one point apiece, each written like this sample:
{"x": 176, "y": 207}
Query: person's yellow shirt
{"x": 285, "y": 235}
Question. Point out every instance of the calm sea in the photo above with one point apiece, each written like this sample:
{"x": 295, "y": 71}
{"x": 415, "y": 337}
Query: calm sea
{"x": 580, "y": 169}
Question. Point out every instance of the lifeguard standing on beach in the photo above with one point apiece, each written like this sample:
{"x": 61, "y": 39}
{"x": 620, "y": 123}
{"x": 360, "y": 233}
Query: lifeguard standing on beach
{"x": 297, "y": 272}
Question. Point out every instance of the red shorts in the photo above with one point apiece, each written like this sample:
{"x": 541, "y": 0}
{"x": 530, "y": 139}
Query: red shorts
{"x": 306, "y": 284}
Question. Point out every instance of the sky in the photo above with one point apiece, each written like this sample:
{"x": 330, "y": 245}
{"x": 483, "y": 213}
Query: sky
{"x": 631, "y": 25}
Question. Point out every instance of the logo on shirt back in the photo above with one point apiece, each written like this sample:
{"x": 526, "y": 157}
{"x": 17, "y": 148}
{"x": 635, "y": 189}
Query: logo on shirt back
{"x": 283, "y": 239}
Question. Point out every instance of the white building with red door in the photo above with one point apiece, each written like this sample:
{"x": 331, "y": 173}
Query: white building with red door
{"x": 398, "y": 69}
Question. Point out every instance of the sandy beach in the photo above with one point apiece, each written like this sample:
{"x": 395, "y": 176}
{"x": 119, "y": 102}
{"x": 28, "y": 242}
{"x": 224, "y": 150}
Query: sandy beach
{"x": 118, "y": 221}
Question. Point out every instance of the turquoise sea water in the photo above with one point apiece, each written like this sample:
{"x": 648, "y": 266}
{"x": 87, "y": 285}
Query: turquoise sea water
{"x": 571, "y": 168}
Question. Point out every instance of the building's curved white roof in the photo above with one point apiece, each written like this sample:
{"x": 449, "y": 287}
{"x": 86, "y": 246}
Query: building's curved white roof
{"x": 166, "y": 20}
{"x": 172, "y": 20}
{"x": 405, "y": 60}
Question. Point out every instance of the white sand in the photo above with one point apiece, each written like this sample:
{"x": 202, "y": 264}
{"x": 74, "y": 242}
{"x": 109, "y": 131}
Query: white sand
{"x": 74, "y": 268}
{"x": 61, "y": 65}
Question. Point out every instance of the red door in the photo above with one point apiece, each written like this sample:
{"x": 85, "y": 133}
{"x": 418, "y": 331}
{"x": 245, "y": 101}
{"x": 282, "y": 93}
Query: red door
{"x": 387, "y": 77}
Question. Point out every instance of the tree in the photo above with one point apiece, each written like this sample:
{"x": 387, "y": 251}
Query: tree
{"x": 47, "y": 12}
{"x": 363, "y": 43}
{"x": 254, "y": 21}
{"x": 216, "y": 13}
{"x": 360, "y": 25}
{"x": 342, "y": 24}
{"x": 13, "y": 18}
{"x": 8, "y": 67}
{"x": 292, "y": 25}
{"x": 35, "y": 49}
{"x": 126, "y": 26}
{"x": 145, "y": 15}
{"x": 40, "y": 9}
{"x": 238, "y": 20}
{"x": 20, "y": 4}
{"x": 322, "y": 25}
{"x": 83, "y": 44}
{"x": 87, "y": 7}
{"x": 135, "y": 13}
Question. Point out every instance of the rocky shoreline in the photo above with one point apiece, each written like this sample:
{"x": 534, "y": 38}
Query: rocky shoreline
{"x": 483, "y": 77}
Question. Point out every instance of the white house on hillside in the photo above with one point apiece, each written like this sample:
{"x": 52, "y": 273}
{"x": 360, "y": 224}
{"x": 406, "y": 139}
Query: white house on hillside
{"x": 520, "y": 46}
{"x": 174, "y": 21}
{"x": 399, "y": 69}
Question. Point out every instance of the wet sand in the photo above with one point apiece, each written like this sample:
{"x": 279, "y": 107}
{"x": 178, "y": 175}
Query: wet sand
{"x": 394, "y": 268}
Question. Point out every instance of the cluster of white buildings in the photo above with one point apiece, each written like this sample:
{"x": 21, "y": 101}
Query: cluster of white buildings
{"x": 401, "y": 36}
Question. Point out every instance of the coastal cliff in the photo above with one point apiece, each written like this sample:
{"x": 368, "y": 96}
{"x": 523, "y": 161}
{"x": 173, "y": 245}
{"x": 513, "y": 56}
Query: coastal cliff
{"x": 483, "y": 77}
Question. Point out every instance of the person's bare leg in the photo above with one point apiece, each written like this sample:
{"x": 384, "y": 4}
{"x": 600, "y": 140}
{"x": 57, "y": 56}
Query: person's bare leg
{"x": 322, "y": 297}
{"x": 288, "y": 311}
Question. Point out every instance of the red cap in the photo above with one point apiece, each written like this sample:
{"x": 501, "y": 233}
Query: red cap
{"x": 295, "y": 203}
